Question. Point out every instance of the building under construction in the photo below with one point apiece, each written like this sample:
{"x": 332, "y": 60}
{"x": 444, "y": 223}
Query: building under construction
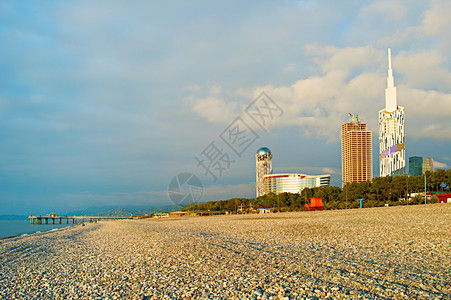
{"x": 356, "y": 151}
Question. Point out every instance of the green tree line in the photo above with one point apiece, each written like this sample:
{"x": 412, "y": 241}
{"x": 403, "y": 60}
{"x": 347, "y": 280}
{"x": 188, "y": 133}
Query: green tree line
{"x": 378, "y": 192}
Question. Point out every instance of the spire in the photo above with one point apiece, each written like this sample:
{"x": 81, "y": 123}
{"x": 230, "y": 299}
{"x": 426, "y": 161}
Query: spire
{"x": 391, "y": 103}
{"x": 390, "y": 79}
{"x": 389, "y": 60}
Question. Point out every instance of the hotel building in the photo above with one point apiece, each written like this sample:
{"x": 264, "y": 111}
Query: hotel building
{"x": 356, "y": 152}
{"x": 392, "y": 137}
{"x": 293, "y": 183}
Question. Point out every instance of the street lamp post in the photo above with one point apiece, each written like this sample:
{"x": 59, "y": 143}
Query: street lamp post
{"x": 424, "y": 188}
{"x": 407, "y": 190}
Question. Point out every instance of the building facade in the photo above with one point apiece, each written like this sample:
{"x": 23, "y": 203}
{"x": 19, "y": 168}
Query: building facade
{"x": 392, "y": 137}
{"x": 356, "y": 152}
{"x": 293, "y": 183}
{"x": 263, "y": 166}
{"x": 420, "y": 165}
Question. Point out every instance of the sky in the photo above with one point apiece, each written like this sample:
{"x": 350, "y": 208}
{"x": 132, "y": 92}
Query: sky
{"x": 103, "y": 103}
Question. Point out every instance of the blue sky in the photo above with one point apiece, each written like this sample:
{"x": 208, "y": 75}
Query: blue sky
{"x": 104, "y": 102}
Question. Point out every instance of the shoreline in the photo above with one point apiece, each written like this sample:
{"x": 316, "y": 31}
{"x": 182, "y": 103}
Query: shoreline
{"x": 39, "y": 231}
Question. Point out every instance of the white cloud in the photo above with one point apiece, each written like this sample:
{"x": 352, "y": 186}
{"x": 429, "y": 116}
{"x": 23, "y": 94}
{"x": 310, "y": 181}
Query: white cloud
{"x": 436, "y": 19}
{"x": 423, "y": 70}
{"x": 215, "y": 110}
{"x": 242, "y": 92}
{"x": 215, "y": 90}
{"x": 329, "y": 171}
{"x": 388, "y": 8}
{"x": 440, "y": 165}
{"x": 353, "y": 81}
{"x": 429, "y": 112}
{"x": 437, "y": 24}
{"x": 331, "y": 58}
{"x": 319, "y": 104}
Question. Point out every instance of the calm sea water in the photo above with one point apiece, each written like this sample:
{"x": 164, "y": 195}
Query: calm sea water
{"x": 19, "y": 227}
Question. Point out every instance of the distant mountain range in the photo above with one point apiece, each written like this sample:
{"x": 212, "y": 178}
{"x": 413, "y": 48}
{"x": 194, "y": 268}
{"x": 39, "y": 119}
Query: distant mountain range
{"x": 115, "y": 211}
{"x": 107, "y": 211}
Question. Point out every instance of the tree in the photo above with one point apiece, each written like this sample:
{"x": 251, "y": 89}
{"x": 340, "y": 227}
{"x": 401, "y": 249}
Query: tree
{"x": 416, "y": 184}
{"x": 399, "y": 186}
{"x": 381, "y": 186}
{"x": 430, "y": 180}
{"x": 448, "y": 179}
{"x": 439, "y": 179}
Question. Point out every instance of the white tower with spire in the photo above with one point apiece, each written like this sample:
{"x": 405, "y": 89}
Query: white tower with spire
{"x": 391, "y": 103}
{"x": 392, "y": 137}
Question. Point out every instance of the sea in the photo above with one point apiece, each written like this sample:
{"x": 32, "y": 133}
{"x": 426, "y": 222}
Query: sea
{"x": 9, "y": 228}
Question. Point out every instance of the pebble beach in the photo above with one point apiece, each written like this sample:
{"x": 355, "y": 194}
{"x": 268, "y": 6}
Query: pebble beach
{"x": 377, "y": 253}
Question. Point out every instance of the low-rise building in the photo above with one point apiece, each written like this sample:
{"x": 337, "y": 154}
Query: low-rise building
{"x": 264, "y": 210}
{"x": 444, "y": 198}
{"x": 293, "y": 183}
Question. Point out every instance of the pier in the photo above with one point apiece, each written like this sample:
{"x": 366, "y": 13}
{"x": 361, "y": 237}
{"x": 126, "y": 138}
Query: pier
{"x": 54, "y": 219}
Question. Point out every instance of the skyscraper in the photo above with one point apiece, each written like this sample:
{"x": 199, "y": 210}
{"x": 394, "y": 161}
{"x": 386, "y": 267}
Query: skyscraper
{"x": 263, "y": 166}
{"x": 420, "y": 165}
{"x": 392, "y": 137}
{"x": 356, "y": 152}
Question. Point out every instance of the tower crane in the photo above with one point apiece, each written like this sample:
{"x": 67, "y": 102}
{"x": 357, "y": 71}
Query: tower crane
{"x": 355, "y": 118}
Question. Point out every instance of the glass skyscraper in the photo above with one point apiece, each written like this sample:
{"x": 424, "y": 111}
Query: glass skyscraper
{"x": 419, "y": 165}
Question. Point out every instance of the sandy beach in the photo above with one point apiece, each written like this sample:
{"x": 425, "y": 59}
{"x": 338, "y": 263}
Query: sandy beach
{"x": 378, "y": 253}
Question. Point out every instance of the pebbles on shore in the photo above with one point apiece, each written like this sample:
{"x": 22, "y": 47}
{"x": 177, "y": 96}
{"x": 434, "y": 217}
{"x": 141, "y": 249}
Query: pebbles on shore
{"x": 386, "y": 253}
